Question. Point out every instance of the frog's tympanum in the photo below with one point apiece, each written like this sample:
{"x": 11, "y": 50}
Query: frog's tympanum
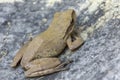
{"x": 39, "y": 56}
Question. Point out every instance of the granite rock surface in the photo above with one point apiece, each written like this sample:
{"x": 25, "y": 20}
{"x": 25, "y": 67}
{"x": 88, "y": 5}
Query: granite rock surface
{"x": 97, "y": 59}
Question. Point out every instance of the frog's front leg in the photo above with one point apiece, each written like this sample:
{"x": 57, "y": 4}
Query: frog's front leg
{"x": 74, "y": 43}
{"x": 44, "y": 66}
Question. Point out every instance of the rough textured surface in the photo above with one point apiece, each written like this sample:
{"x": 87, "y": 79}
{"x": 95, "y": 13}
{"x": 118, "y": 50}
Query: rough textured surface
{"x": 97, "y": 59}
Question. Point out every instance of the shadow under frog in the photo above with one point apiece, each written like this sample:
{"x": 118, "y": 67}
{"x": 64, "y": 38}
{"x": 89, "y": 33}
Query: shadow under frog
{"x": 38, "y": 56}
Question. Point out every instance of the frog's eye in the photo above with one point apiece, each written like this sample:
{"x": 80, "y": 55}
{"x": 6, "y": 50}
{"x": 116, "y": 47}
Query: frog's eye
{"x": 73, "y": 15}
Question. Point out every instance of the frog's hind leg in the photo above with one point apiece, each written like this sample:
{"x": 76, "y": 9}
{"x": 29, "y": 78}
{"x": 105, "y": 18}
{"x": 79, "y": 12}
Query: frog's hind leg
{"x": 73, "y": 44}
{"x": 19, "y": 55}
{"x": 43, "y": 68}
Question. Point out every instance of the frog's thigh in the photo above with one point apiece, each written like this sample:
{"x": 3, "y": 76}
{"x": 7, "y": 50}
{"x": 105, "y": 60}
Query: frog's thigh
{"x": 44, "y": 66}
{"x": 39, "y": 67}
{"x": 43, "y": 63}
{"x": 19, "y": 55}
{"x": 74, "y": 44}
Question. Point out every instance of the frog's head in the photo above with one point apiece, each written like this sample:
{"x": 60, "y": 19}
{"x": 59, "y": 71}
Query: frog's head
{"x": 70, "y": 18}
{"x": 65, "y": 16}
{"x": 63, "y": 23}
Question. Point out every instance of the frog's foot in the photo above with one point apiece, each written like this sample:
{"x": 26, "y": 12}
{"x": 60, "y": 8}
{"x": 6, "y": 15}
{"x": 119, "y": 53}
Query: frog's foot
{"x": 42, "y": 69}
{"x": 75, "y": 42}
{"x": 19, "y": 55}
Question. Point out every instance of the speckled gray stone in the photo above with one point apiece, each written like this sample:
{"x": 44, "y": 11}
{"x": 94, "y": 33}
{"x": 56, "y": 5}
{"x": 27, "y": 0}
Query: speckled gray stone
{"x": 97, "y": 59}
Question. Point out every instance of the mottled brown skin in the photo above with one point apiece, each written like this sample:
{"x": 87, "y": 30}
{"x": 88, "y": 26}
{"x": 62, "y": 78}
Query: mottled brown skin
{"x": 38, "y": 56}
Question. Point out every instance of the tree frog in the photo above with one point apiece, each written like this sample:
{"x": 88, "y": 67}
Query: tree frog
{"x": 39, "y": 56}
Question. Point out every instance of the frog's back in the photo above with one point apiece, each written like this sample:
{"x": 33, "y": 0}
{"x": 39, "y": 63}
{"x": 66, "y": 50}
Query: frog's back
{"x": 43, "y": 46}
{"x": 51, "y": 46}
